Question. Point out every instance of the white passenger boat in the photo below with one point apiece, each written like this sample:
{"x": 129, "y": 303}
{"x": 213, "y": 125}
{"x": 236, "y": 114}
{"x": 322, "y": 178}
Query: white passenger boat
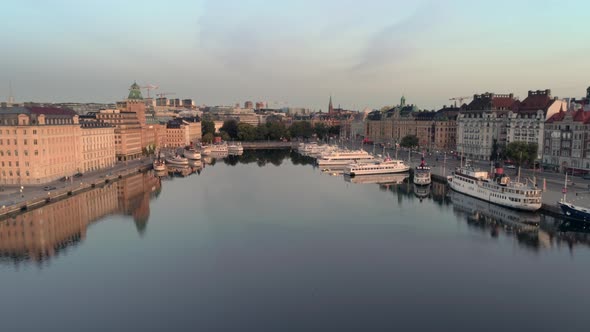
{"x": 177, "y": 161}
{"x": 159, "y": 165}
{"x": 218, "y": 147}
{"x": 235, "y": 148}
{"x": 422, "y": 175}
{"x": 498, "y": 189}
{"x": 343, "y": 158}
{"x": 387, "y": 166}
{"x": 192, "y": 154}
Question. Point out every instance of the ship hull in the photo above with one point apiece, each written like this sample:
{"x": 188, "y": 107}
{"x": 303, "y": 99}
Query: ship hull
{"x": 575, "y": 212}
{"x": 473, "y": 190}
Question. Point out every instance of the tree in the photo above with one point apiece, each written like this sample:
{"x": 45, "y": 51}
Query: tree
{"x": 276, "y": 130}
{"x": 409, "y": 141}
{"x": 246, "y": 132}
{"x": 321, "y": 130}
{"x": 207, "y": 127}
{"x": 208, "y": 138}
{"x": 522, "y": 152}
{"x": 334, "y": 131}
{"x": 301, "y": 129}
{"x": 225, "y": 136}
{"x": 231, "y": 128}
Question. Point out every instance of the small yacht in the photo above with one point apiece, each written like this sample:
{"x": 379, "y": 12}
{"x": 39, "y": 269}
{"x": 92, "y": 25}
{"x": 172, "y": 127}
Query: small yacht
{"x": 192, "y": 154}
{"x": 235, "y": 148}
{"x": 387, "y": 166}
{"x": 177, "y": 161}
{"x": 422, "y": 176}
{"x": 498, "y": 189}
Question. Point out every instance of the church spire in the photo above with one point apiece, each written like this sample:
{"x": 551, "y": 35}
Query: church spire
{"x": 330, "y": 107}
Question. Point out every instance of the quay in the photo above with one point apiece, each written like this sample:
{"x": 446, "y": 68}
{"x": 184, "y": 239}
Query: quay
{"x": 35, "y": 196}
{"x": 269, "y": 145}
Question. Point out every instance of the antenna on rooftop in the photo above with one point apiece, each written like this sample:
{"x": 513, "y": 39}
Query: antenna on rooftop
{"x": 10, "y": 96}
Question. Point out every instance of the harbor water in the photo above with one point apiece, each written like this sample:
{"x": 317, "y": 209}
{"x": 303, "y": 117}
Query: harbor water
{"x": 268, "y": 242}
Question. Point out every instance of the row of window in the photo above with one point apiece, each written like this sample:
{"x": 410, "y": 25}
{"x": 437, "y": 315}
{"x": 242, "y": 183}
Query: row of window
{"x": 26, "y": 152}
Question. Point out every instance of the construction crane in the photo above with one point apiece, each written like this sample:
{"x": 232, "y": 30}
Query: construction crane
{"x": 149, "y": 88}
{"x": 460, "y": 99}
{"x": 164, "y": 94}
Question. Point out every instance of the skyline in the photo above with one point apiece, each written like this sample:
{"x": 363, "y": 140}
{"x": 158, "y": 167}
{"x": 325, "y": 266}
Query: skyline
{"x": 364, "y": 55}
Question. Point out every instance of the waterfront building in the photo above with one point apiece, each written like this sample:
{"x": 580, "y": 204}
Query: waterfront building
{"x": 526, "y": 122}
{"x": 182, "y": 132}
{"x": 445, "y": 128}
{"x": 260, "y": 105}
{"x": 482, "y": 124}
{"x": 98, "y": 146}
{"x": 128, "y": 132}
{"x": 567, "y": 141}
{"x": 248, "y": 105}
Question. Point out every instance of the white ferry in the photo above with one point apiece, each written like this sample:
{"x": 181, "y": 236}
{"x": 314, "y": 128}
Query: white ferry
{"x": 422, "y": 175}
{"x": 218, "y": 148}
{"x": 192, "y": 154}
{"x": 386, "y": 166}
{"x": 498, "y": 190}
{"x": 177, "y": 161}
{"x": 235, "y": 148}
{"x": 343, "y": 158}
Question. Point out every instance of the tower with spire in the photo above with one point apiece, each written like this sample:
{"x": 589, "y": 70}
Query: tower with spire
{"x": 330, "y": 107}
{"x": 402, "y": 101}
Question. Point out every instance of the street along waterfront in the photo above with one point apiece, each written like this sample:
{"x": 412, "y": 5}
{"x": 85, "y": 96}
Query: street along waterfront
{"x": 266, "y": 240}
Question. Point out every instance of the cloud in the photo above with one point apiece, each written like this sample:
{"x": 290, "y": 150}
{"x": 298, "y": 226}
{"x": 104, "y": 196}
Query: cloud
{"x": 398, "y": 41}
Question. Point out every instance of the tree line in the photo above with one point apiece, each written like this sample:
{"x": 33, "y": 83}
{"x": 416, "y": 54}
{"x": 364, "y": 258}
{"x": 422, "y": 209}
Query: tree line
{"x": 272, "y": 130}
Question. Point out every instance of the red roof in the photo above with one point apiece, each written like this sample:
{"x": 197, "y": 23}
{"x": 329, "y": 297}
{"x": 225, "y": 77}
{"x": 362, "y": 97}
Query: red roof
{"x": 535, "y": 102}
{"x": 578, "y": 116}
{"x": 51, "y": 110}
{"x": 503, "y": 102}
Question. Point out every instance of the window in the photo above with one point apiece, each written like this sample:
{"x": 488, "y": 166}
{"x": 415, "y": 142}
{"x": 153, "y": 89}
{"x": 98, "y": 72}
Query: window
{"x": 35, "y": 141}
{"x": 25, "y": 141}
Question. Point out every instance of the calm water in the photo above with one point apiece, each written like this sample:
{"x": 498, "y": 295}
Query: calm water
{"x": 266, "y": 242}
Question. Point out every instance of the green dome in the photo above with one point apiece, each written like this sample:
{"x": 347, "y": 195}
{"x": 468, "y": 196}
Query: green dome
{"x": 135, "y": 92}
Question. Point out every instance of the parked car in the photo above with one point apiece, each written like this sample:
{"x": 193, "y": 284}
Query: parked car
{"x": 48, "y": 188}
{"x": 64, "y": 179}
{"x": 586, "y": 177}
{"x": 510, "y": 166}
{"x": 77, "y": 175}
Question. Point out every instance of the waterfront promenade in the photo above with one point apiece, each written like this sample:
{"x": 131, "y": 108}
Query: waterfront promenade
{"x": 12, "y": 200}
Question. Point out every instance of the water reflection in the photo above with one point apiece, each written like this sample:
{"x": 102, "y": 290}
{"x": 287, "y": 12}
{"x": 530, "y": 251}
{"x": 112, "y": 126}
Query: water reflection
{"x": 383, "y": 179}
{"x": 45, "y": 232}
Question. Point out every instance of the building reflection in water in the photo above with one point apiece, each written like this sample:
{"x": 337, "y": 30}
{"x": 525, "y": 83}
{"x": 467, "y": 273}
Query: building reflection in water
{"x": 44, "y": 232}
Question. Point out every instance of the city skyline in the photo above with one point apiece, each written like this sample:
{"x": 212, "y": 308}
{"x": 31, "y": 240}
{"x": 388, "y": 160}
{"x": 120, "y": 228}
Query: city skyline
{"x": 364, "y": 55}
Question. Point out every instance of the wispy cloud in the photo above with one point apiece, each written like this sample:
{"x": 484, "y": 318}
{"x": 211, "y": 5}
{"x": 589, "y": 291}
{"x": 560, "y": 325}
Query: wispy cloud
{"x": 400, "y": 40}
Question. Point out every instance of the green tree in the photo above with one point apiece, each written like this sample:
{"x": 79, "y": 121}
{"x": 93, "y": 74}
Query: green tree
{"x": 261, "y": 132}
{"x": 321, "y": 130}
{"x": 301, "y": 129}
{"x": 334, "y": 131}
{"x": 276, "y": 130}
{"x": 522, "y": 152}
{"x": 208, "y": 138}
{"x": 409, "y": 141}
{"x": 230, "y": 127}
{"x": 246, "y": 132}
{"x": 207, "y": 127}
{"x": 225, "y": 136}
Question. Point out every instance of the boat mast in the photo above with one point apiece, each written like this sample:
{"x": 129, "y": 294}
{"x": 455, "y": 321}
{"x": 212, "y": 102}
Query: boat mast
{"x": 565, "y": 186}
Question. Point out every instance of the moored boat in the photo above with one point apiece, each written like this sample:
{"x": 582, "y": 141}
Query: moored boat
{"x": 498, "y": 189}
{"x": 387, "y": 166}
{"x": 343, "y": 158}
{"x": 235, "y": 148}
{"x": 159, "y": 165}
{"x": 177, "y": 161}
{"x": 422, "y": 175}
{"x": 573, "y": 211}
{"x": 192, "y": 154}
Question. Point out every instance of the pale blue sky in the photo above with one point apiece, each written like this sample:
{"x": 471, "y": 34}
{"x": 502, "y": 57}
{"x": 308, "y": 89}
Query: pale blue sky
{"x": 364, "y": 53}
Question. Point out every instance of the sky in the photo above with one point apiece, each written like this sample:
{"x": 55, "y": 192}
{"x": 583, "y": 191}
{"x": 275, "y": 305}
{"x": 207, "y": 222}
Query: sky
{"x": 294, "y": 53}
